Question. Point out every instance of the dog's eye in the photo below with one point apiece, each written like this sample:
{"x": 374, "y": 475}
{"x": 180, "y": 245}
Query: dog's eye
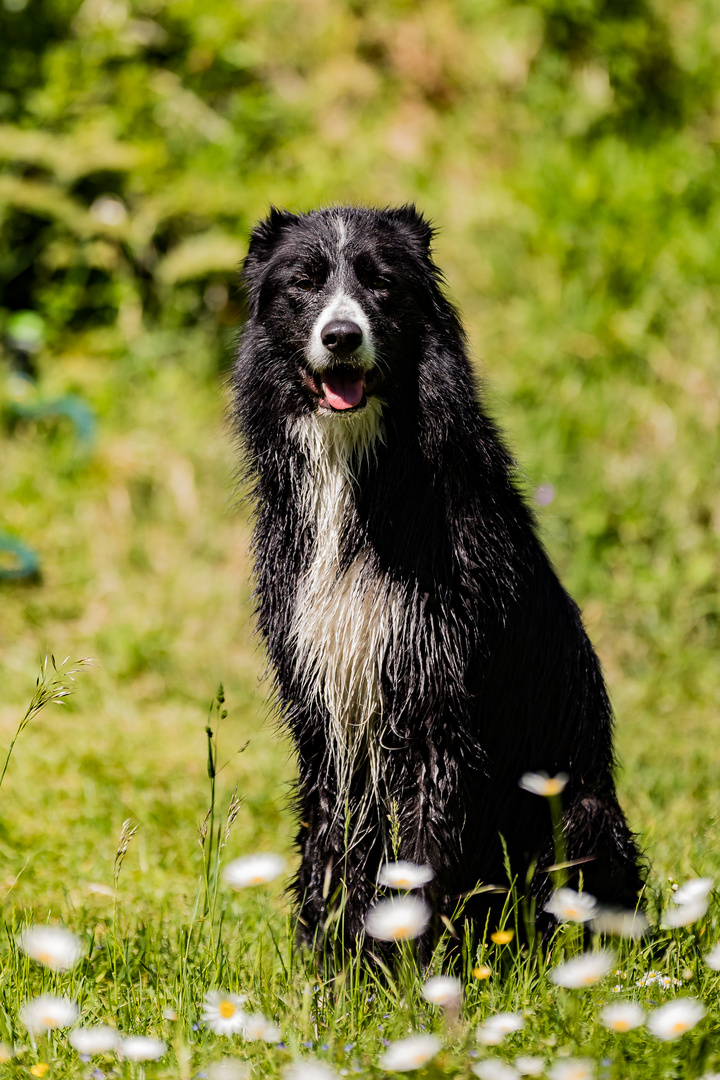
{"x": 305, "y": 283}
{"x": 380, "y": 282}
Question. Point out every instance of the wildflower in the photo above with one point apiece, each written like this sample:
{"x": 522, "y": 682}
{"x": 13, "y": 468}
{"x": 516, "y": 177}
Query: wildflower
{"x": 539, "y": 783}
{"x": 6, "y": 1053}
{"x": 48, "y": 1012}
{"x": 397, "y": 919}
{"x": 141, "y": 1048}
{"x": 442, "y": 990}
{"x": 685, "y": 914}
{"x": 54, "y": 946}
{"x": 584, "y": 970}
{"x": 410, "y": 1053}
{"x": 404, "y": 875}
{"x": 617, "y": 989}
{"x": 674, "y": 1019}
{"x": 223, "y": 1012}
{"x": 94, "y": 1040}
{"x": 40, "y": 1069}
{"x": 655, "y": 978}
{"x": 169, "y": 1014}
{"x": 570, "y": 906}
{"x": 502, "y": 937}
{"x": 624, "y": 1016}
{"x": 621, "y": 923}
{"x": 495, "y": 1028}
{"x": 572, "y": 1069}
{"x": 693, "y": 891}
{"x": 494, "y": 1069}
{"x": 309, "y": 1070}
{"x": 482, "y": 971}
{"x": 527, "y": 1065}
{"x": 257, "y": 1027}
{"x": 712, "y": 959}
{"x": 253, "y": 870}
{"x": 228, "y": 1069}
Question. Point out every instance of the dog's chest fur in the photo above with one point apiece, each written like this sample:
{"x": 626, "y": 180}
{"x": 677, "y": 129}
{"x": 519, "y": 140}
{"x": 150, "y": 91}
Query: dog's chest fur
{"x": 345, "y": 620}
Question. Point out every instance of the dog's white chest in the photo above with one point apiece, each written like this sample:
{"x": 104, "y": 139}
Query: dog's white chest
{"x": 345, "y": 621}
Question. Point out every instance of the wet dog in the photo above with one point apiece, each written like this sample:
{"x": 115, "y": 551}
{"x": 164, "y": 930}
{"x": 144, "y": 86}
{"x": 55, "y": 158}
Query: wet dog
{"x": 424, "y": 652}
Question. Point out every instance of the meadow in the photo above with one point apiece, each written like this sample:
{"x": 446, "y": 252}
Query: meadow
{"x": 568, "y": 152}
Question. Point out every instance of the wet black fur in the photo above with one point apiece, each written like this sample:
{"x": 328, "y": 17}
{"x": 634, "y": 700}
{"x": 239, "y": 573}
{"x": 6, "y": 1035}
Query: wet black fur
{"x": 498, "y": 675}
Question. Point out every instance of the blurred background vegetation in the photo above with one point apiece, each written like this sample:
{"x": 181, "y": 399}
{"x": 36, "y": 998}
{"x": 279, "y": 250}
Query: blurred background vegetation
{"x": 567, "y": 150}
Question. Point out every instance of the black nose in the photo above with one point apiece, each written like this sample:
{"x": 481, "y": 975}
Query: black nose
{"x": 341, "y": 337}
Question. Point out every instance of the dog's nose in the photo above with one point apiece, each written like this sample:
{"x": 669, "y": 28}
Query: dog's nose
{"x": 341, "y": 337}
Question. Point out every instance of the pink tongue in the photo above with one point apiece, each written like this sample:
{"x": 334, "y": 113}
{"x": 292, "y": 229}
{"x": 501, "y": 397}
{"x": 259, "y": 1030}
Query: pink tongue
{"x": 342, "y": 391}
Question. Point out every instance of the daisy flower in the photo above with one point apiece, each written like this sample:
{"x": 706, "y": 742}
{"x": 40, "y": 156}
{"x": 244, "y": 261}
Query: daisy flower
{"x": 228, "y": 1069}
{"x": 496, "y": 1027}
{"x": 48, "y": 1012}
{"x": 674, "y": 1019}
{"x": 404, "y": 875}
{"x": 141, "y": 1048}
{"x": 101, "y": 1039}
{"x": 712, "y": 959}
{"x": 397, "y": 919}
{"x": 624, "y": 1016}
{"x": 442, "y": 990}
{"x": 622, "y": 923}
{"x": 583, "y": 970}
{"x": 527, "y": 1065}
{"x": 253, "y": 870}
{"x": 570, "y": 906}
{"x": 685, "y": 914}
{"x": 54, "y": 946}
{"x": 255, "y": 1026}
{"x": 494, "y": 1069}
{"x": 693, "y": 891}
{"x": 309, "y": 1070}
{"x": 223, "y": 1012}
{"x": 539, "y": 783}
{"x": 6, "y": 1053}
{"x": 410, "y": 1053}
{"x": 572, "y": 1069}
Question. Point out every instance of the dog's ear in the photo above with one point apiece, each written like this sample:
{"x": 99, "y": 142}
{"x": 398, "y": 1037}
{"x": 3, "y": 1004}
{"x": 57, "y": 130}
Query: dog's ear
{"x": 410, "y": 219}
{"x": 267, "y": 232}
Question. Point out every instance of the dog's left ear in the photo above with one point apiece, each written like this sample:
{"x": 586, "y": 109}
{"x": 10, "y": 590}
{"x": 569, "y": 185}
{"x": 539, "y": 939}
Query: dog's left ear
{"x": 410, "y": 218}
{"x": 267, "y": 232}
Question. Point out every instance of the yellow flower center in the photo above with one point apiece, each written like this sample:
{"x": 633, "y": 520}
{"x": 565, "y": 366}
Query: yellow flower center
{"x": 402, "y": 882}
{"x": 679, "y": 1026}
{"x": 227, "y": 1009}
{"x": 49, "y": 1022}
{"x": 45, "y": 958}
{"x": 257, "y": 880}
{"x": 621, "y": 1025}
{"x": 40, "y": 1069}
{"x": 402, "y": 931}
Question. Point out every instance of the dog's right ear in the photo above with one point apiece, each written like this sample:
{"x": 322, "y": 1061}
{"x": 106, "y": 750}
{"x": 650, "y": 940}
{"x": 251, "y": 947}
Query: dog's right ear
{"x": 266, "y": 234}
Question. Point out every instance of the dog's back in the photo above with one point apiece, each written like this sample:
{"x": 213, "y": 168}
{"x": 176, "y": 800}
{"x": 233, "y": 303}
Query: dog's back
{"x": 424, "y": 652}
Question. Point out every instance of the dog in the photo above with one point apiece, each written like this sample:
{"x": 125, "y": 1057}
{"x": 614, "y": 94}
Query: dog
{"x": 424, "y": 654}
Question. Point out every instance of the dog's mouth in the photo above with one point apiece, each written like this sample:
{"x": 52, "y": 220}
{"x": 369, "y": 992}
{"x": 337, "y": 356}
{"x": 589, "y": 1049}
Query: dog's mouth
{"x": 340, "y": 388}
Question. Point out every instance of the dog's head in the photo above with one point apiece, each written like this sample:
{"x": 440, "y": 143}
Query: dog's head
{"x": 340, "y": 296}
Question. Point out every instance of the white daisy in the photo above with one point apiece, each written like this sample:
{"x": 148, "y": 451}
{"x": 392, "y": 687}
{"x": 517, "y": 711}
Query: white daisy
{"x": 228, "y": 1069}
{"x": 398, "y": 919}
{"x": 101, "y": 1039}
{"x": 255, "y": 1026}
{"x": 572, "y": 1069}
{"x": 223, "y": 1012}
{"x": 6, "y": 1053}
{"x": 253, "y": 870}
{"x": 539, "y": 783}
{"x": 527, "y": 1065}
{"x": 496, "y": 1027}
{"x": 712, "y": 959}
{"x": 54, "y": 946}
{"x": 570, "y": 906}
{"x": 674, "y": 1019}
{"x": 442, "y": 990}
{"x": 494, "y": 1069}
{"x": 625, "y": 1016}
{"x": 694, "y": 890}
{"x": 309, "y": 1070}
{"x": 583, "y": 970}
{"x": 141, "y": 1048}
{"x": 622, "y": 923}
{"x": 410, "y": 1053}
{"x": 48, "y": 1012}
{"x": 404, "y": 875}
{"x": 685, "y": 914}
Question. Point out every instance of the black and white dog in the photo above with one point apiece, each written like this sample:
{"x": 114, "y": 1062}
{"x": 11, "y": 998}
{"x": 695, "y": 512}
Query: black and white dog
{"x": 424, "y": 652}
